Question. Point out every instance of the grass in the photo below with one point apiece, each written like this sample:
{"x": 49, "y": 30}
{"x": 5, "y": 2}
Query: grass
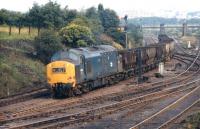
{"x": 4, "y": 33}
{"x": 19, "y": 70}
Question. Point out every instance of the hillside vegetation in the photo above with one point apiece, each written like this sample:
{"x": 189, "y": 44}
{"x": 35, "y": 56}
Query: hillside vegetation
{"x": 18, "y": 69}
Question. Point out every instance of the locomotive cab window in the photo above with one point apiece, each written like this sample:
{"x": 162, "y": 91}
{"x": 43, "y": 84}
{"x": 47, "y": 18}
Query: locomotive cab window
{"x": 58, "y": 70}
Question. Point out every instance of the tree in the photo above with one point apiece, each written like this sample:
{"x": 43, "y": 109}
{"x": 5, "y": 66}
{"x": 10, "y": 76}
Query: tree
{"x": 81, "y": 20}
{"x": 117, "y": 35}
{"x": 91, "y": 13}
{"x": 135, "y": 34}
{"x": 100, "y": 7}
{"x": 48, "y": 16}
{"x": 36, "y": 17}
{"x": 109, "y": 19}
{"x": 46, "y": 44}
{"x": 75, "y": 35}
{"x": 94, "y": 24}
{"x": 94, "y": 20}
{"x": 53, "y": 15}
{"x": 3, "y": 16}
{"x": 28, "y": 22}
{"x": 69, "y": 15}
{"x": 11, "y": 18}
{"x": 20, "y": 22}
{"x": 110, "y": 23}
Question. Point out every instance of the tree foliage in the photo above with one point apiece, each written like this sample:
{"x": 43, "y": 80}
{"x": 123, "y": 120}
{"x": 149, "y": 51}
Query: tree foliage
{"x": 92, "y": 13}
{"x": 11, "y": 18}
{"x": 110, "y": 22}
{"x": 47, "y": 43}
{"x": 100, "y": 7}
{"x": 81, "y": 20}
{"x": 94, "y": 24}
{"x": 117, "y": 36}
{"x": 135, "y": 34}
{"x": 53, "y": 15}
{"x": 4, "y": 16}
{"x": 75, "y": 35}
{"x": 36, "y": 16}
{"x": 94, "y": 21}
{"x": 48, "y": 16}
{"x": 69, "y": 15}
{"x": 89, "y": 24}
{"x": 109, "y": 19}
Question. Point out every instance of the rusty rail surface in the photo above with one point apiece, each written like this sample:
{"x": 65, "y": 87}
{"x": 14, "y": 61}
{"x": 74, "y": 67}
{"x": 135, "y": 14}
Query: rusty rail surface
{"x": 105, "y": 109}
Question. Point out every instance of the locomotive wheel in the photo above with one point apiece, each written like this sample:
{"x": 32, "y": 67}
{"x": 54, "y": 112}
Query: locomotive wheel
{"x": 77, "y": 91}
{"x": 54, "y": 94}
{"x": 87, "y": 88}
{"x": 70, "y": 92}
{"x": 59, "y": 92}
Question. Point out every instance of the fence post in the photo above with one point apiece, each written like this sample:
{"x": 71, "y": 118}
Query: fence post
{"x": 19, "y": 30}
{"x": 29, "y": 30}
{"x": 38, "y": 31}
{"x": 10, "y": 29}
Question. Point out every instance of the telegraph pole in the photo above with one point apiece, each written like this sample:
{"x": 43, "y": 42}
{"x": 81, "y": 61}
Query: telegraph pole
{"x": 126, "y": 40}
{"x": 125, "y": 29}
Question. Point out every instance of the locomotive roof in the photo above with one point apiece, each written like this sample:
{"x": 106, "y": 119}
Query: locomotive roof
{"x": 93, "y": 51}
{"x": 86, "y": 51}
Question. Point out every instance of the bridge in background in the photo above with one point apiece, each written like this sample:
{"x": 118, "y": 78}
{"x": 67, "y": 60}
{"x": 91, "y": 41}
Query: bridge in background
{"x": 162, "y": 27}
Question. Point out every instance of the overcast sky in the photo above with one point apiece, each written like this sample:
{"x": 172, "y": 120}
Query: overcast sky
{"x": 118, "y": 5}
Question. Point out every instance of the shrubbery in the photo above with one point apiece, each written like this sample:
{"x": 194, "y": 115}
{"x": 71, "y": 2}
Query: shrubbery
{"x": 76, "y": 36}
{"x": 47, "y": 43}
{"x": 84, "y": 29}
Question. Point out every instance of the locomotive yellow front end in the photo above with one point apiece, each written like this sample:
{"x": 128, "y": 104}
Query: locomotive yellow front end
{"x": 61, "y": 77}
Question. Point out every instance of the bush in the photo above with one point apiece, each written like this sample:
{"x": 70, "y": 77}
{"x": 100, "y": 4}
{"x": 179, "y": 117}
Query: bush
{"x": 6, "y": 77}
{"x": 46, "y": 44}
{"x": 75, "y": 35}
{"x": 117, "y": 35}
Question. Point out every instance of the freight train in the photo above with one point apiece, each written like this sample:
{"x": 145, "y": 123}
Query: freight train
{"x": 80, "y": 70}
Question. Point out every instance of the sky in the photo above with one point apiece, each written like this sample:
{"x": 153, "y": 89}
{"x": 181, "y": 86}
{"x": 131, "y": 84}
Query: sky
{"x": 151, "y": 7}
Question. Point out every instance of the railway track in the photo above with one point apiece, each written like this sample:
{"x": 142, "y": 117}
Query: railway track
{"x": 54, "y": 103}
{"x": 173, "y": 119}
{"x": 35, "y": 93}
{"x": 166, "y": 116}
{"x": 28, "y": 112}
{"x": 162, "y": 118}
{"x": 122, "y": 96}
{"x": 102, "y": 111}
{"x": 55, "y": 111}
{"x": 186, "y": 61}
{"x": 182, "y": 50}
{"x": 23, "y": 96}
